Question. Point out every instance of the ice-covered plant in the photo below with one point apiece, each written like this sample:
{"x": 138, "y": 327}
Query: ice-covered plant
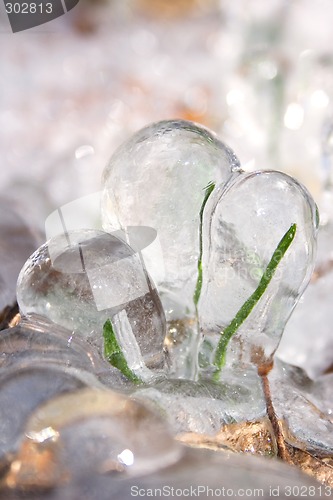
{"x": 245, "y": 310}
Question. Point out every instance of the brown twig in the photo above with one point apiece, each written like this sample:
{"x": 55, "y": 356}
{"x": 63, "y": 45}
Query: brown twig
{"x": 283, "y": 452}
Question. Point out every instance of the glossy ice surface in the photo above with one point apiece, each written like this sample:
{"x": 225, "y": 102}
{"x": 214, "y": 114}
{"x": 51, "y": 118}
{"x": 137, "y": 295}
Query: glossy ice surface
{"x": 80, "y": 279}
{"x": 243, "y": 228}
{"x": 35, "y": 339}
{"x": 262, "y": 76}
{"x": 201, "y": 470}
{"x": 204, "y": 407}
{"x": 99, "y": 431}
{"x": 308, "y": 419}
{"x": 23, "y": 389}
{"x": 158, "y": 179}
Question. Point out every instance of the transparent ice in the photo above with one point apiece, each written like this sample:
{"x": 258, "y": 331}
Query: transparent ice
{"x": 97, "y": 431}
{"x": 24, "y": 388}
{"x": 154, "y": 190}
{"x": 80, "y": 279}
{"x": 305, "y": 406}
{"x": 36, "y": 340}
{"x": 204, "y": 407}
{"x": 243, "y": 227}
{"x": 194, "y": 469}
{"x": 157, "y": 179}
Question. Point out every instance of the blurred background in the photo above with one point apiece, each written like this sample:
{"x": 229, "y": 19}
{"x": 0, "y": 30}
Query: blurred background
{"x": 258, "y": 73}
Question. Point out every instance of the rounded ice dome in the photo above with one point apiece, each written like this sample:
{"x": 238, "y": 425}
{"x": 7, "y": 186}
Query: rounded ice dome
{"x": 83, "y": 278}
{"x": 158, "y": 179}
{"x": 114, "y": 434}
{"x": 258, "y": 256}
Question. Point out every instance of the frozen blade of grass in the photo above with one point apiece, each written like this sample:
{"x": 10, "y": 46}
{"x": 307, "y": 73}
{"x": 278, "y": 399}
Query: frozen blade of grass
{"x": 113, "y": 353}
{"x": 192, "y": 357}
{"x": 208, "y": 191}
{"x": 245, "y": 310}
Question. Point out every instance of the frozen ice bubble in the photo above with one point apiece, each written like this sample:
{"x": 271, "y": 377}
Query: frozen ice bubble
{"x": 23, "y": 389}
{"x": 158, "y": 179}
{"x": 304, "y": 407}
{"x": 259, "y": 245}
{"x": 16, "y": 244}
{"x": 81, "y": 279}
{"x": 94, "y": 432}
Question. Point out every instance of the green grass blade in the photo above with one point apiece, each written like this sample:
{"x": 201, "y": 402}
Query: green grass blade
{"x": 113, "y": 353}
{"x": 208, "y": 191}
{"x": 244, "y": 311}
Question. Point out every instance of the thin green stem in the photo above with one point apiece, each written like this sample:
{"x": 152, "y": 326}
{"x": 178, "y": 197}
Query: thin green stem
{"x": 244, "y": 311}
{"x": 208, "y": 191}
{"x": 193, "y": 348}
{"x": 114, "y": 353}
